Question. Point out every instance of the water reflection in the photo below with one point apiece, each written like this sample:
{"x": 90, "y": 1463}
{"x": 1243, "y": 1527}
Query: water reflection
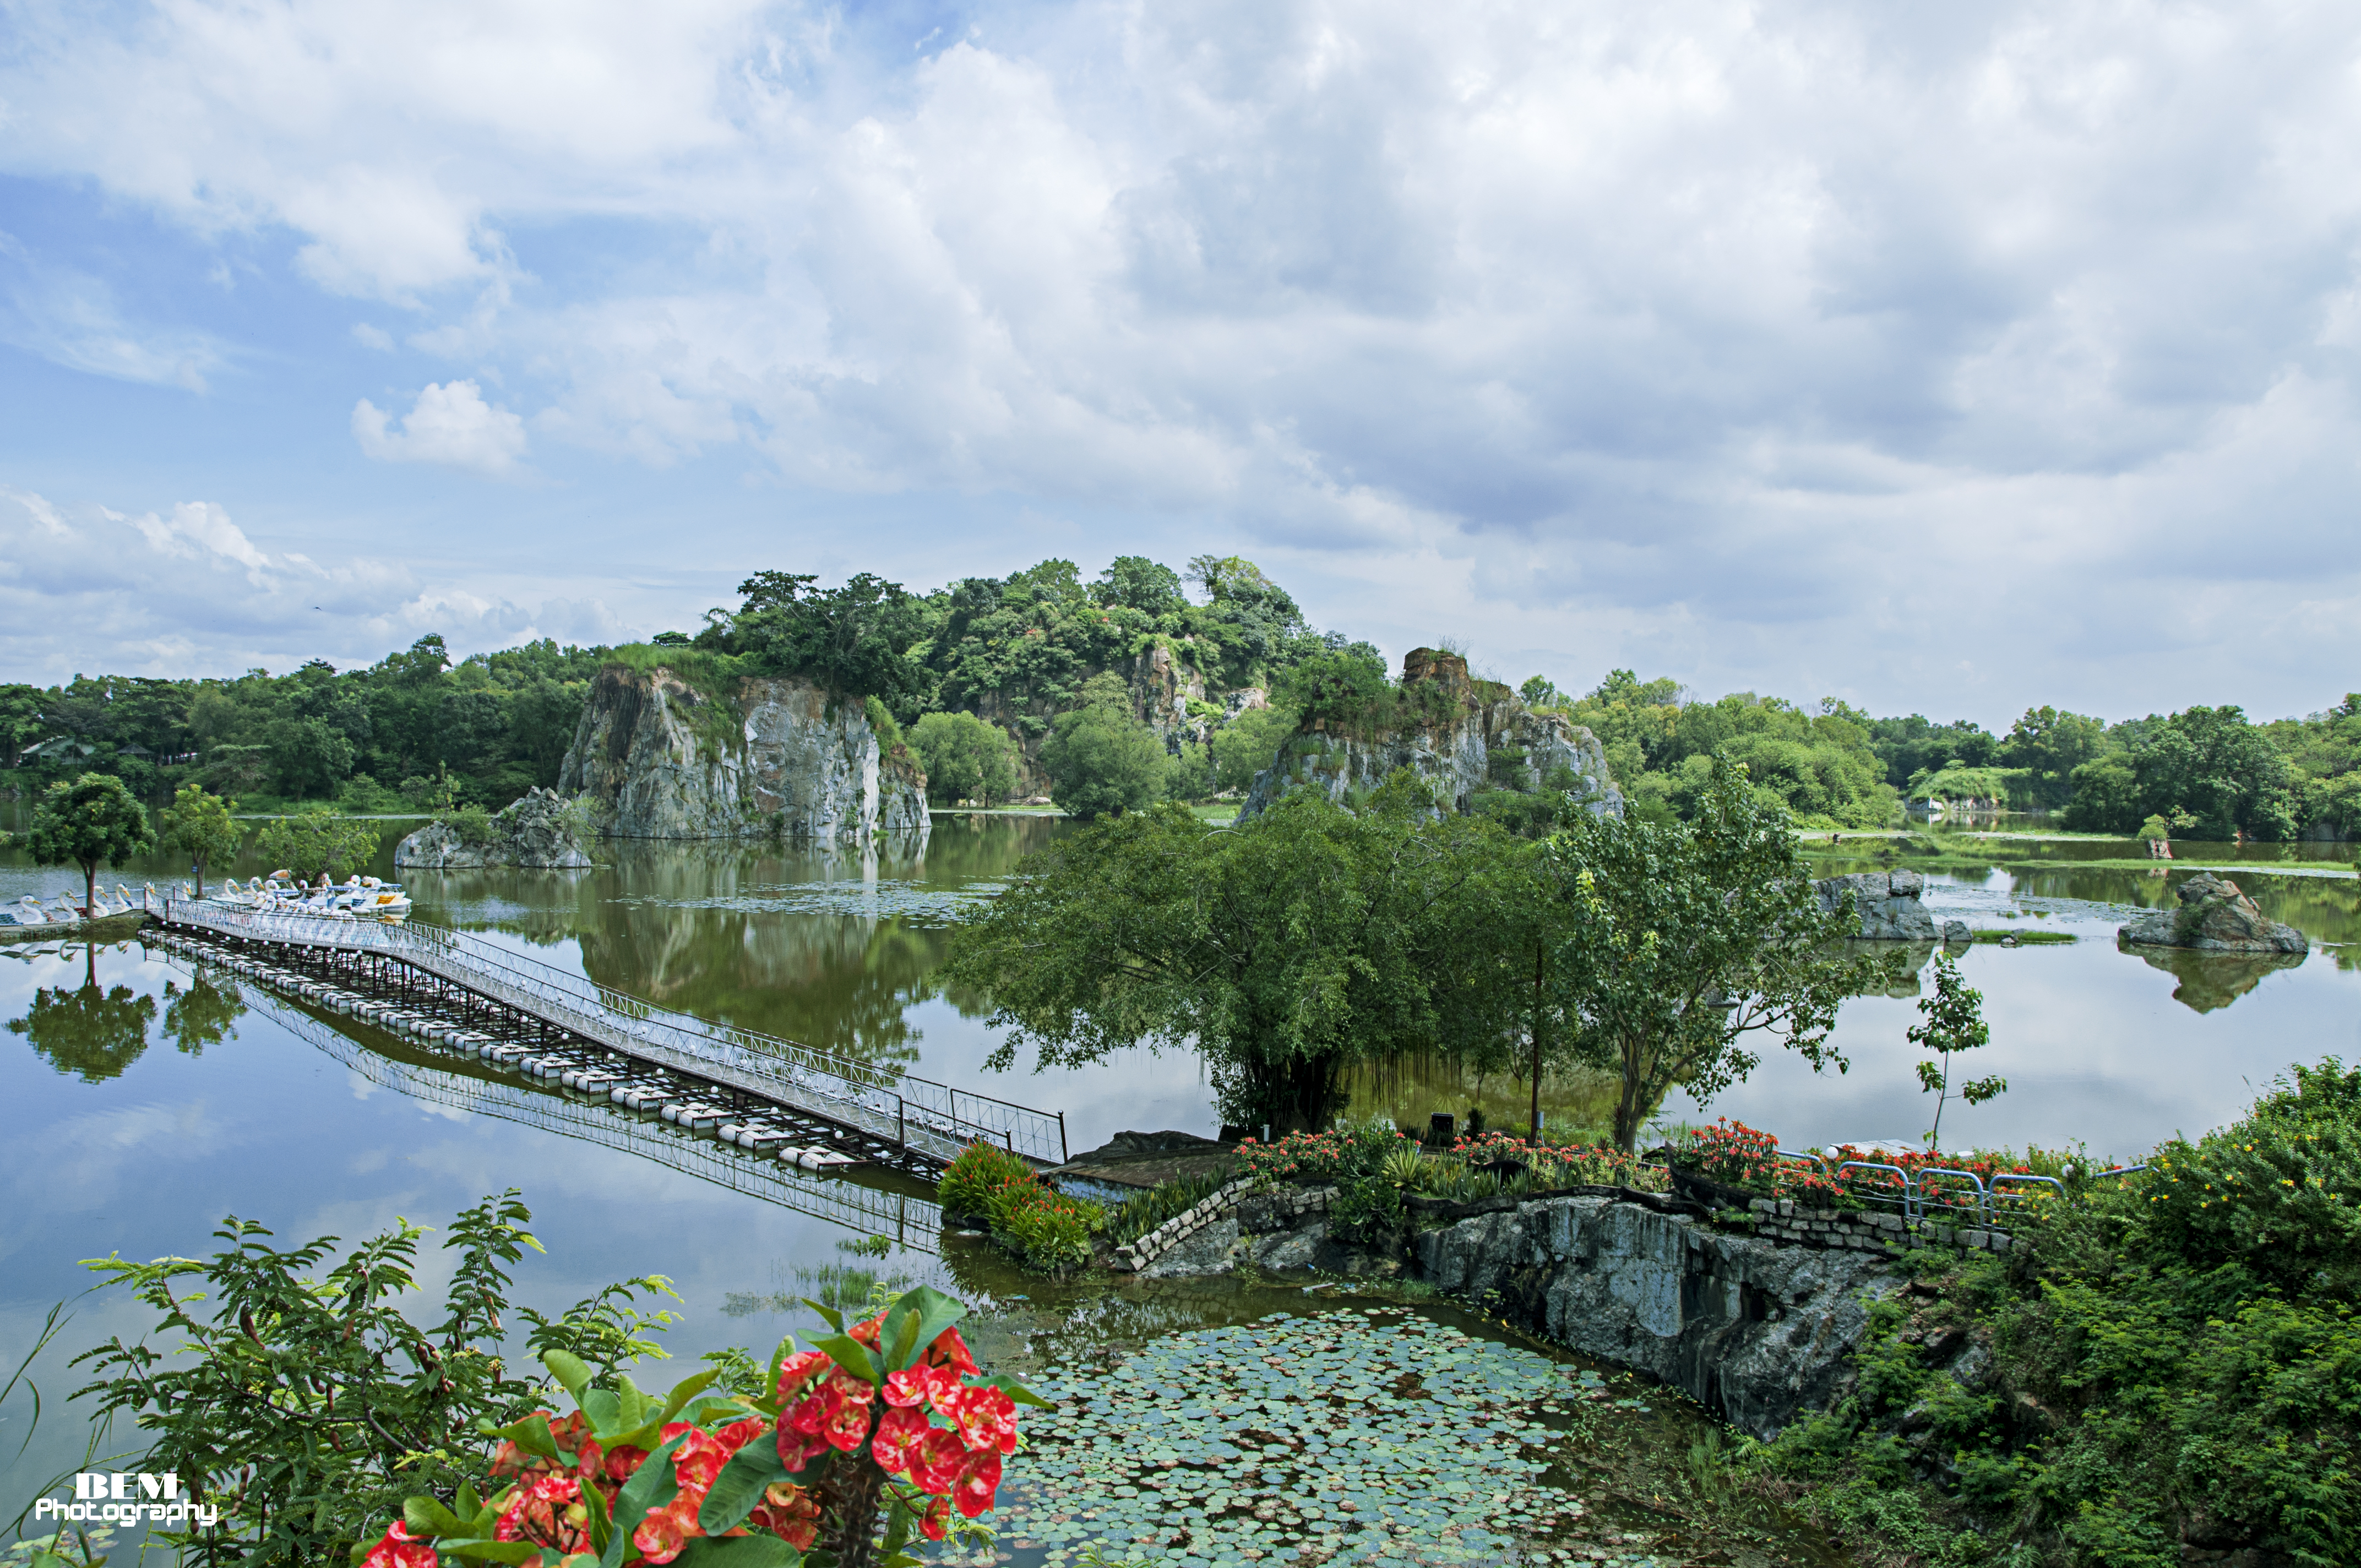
{"x": 2213, "y": 981}
{"x": 90, "y": 1032}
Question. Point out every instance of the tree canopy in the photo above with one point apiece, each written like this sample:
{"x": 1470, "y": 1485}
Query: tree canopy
{"x": 200, "y": 826}
{"x": 1285, "y": 950}
{"x": 1685, "y": 940}
{"x": 85, "y": 821}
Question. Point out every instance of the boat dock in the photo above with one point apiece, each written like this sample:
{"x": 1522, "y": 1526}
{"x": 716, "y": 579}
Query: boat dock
{"x": 460, "y": 991}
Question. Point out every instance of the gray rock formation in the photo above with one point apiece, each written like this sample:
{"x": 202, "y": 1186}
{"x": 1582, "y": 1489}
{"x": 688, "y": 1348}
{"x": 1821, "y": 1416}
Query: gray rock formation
{"x": 2213, "y": 918}
{"x": 535, "y": 831}
{"x": 1453, "y": 755}
{"x": 1889, "y": 908}
{"x": 657, "y": 758}
{"x": 1756, "y": 1331}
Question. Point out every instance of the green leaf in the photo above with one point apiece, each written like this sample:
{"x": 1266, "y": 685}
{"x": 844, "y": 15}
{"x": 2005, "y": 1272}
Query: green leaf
{"x": 467, "y": 1503}
{"x": 853, "y": 1356}
{"x": 687, "y": 1389}
{"x": 569, "y": 1370}
{"x": 425, "y": 1516}
{"x": 594, "y": 1502}
{"x": 740, "y": 1487}
{"x": 739, "y": 1551}
{"x": 511, "y": 1551}
{"x": 531, "y": 1434}
{"x": 769, "y": 1403}
{"x": 835, "y": 1318}
{"x": 1014, "y": 1390}
{"x": 652, "y": 1485}
{"x": 931, "y": 1311}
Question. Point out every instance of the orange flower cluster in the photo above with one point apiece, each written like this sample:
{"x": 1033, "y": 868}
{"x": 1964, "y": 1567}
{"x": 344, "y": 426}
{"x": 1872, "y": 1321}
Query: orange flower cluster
{"x": 1339, "y": 1152}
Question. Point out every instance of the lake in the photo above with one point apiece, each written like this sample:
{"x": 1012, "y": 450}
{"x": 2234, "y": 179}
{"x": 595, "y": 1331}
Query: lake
{"x": 316, "y": 1130}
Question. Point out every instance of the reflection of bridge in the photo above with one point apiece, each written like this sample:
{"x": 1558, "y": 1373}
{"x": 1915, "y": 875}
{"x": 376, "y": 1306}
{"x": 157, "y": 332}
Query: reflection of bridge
{"x": 915, "y": 1223}
{"x": 872, "y": 1113}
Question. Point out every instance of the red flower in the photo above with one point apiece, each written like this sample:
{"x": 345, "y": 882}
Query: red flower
{"x": 866, "y": 1334}
{"x": 847, "y": 1425}
{"x": 949, "y": 1350}
{"x": 914, "y": 1385}
{"x": 979, "y": 1476}
{"x": 789, "y": 1512}
{"x": 935, "y": 1464}
{"x": 797, "y": 1370}
{"x": 622, "y": 1460}
{"x": 662, "y": 1534}
{"x": 936, "y": 1525}
{"x": 798, "y": 1448}
{"x": 547, "y": 1511}
{"x": 398, "y": 1549}
{"x": 899, "y": 1432}
{"x": 986, "y": 1417}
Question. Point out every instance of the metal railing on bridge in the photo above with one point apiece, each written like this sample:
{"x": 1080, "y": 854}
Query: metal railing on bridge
{"x": 915, "y": 1223}
{"x": 882, "y": 1101}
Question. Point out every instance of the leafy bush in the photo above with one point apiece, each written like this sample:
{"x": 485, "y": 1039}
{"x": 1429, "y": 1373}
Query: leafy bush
{"x": 306, "y": 1407}
{"x": 1367, "y": 1210}
{"x": 981, "y": 1181}
{"x": 317, "y": 840}
{"x": 1043, "y": 1229}
{"x": 473, "y": 824}
{"x": 2174, "y": 1358}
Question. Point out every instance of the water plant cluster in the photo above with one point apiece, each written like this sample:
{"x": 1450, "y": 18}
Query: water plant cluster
{"x": 1348, "y": 1436}
{"x": 2169, "y": 1361}
{"x": 1040, "y": 1227}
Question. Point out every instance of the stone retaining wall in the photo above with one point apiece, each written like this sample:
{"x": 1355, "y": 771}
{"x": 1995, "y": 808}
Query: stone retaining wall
{"x": 1865, "y": 1231}
{"x": 1290, "y": 1205}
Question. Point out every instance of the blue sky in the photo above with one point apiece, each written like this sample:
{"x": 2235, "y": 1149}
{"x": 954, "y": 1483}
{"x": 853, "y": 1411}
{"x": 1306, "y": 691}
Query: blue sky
{"x": 1949, "y": 362}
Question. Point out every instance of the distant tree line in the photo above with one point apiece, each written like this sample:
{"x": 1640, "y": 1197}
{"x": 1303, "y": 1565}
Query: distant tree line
{"x": 998, "y": 684}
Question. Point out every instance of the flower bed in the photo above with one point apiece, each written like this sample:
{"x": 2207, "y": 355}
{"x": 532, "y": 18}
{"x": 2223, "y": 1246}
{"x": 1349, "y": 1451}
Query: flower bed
{"x": 1729, "y": 1162}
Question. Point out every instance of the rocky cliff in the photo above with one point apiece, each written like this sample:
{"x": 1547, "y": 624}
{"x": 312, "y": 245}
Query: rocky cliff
{"x": 536, "y": 831}
{"x": 1455, "y": 753}
{"x": 656, "y": 757}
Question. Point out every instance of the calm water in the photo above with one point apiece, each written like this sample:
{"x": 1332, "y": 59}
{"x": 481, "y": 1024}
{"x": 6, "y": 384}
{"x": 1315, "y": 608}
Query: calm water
{"x": 141, "y": 1145}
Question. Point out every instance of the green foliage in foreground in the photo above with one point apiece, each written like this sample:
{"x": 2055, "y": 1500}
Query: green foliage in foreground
{"x": 2172, "y": 1359}
{"x": 307, "y": 1405}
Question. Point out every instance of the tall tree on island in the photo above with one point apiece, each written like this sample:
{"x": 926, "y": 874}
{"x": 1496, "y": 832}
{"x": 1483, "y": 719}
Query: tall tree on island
{"x": 199, "y": 824}
{"x": 1306, "y": 940}
{"x": 85, "y": 820}
{"x": 1683, "y": 939}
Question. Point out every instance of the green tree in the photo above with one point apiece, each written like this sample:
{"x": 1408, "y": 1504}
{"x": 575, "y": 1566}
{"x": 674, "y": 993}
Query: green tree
{"x": 1304, "y": 941}
{"x": 201, "y": 827}
{"x": 308, "y": 756}
{"x": 93, "y": 1033}
{"x": 1102, "y": 760}
{"x": 1684, "y": 939}
{"x": 1249, "y": 743}
{"x": 1954, "y": 1022}
{"x": 851, "y": 640}
{"x": 86, "y": 820}
{"x": 965, "y": 757}
{"x": 2050, "y": 744}
{"x": 316, "y": 841}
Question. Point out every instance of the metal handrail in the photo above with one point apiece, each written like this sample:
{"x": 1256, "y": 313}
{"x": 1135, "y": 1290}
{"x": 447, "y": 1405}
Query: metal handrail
{"x": 881, "y": 1101}
{"x": 916, "y": 1222}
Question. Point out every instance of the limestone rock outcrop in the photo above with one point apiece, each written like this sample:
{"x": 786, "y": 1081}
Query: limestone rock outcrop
{"x": 1888, "y": 904}
{"x": 536, "y": 831}
{"x": 1452, "y": 753}
{"x": 2213, "y": 918}
{"x": 1759, "y": 1331}
{"x": 656, "y": 757}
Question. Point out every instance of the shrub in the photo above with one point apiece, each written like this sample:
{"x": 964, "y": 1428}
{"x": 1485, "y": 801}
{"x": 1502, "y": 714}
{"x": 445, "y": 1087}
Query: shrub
{"x": 982, "y": 1178}
{"x": 1041, "y": 1228}
{"x": 1352, "y": 1150}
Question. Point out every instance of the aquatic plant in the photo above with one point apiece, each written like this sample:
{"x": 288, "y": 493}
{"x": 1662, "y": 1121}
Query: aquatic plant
{"x": 872, "y": 1436}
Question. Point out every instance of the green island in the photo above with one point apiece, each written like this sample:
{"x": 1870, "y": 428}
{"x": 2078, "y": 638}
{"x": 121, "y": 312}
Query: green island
{"x": 1450, "y": 1283}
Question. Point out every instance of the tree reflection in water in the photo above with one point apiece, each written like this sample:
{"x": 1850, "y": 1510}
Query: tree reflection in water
{"x": 97, "y": 1034}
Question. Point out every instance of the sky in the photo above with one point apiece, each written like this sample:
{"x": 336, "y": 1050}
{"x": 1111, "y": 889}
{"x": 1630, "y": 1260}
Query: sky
{"x": 1946, "y": 359}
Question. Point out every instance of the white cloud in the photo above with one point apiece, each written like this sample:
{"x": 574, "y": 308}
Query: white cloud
{"x": 186, "y": 592}
{"x": 376, "y": 337}
{"x": 1814, "y": 347}
{"x": 450, "y": 425}
{"x": 71, "y": 319}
